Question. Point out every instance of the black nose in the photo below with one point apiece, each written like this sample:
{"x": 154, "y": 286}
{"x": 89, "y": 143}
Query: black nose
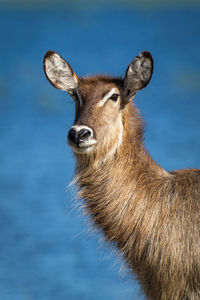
{"x": 80, "y": 136}
{"x": 72, "y": 136}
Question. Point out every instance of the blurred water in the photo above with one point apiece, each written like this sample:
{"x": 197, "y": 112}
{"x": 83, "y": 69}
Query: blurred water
{"x": 45, "y": 250}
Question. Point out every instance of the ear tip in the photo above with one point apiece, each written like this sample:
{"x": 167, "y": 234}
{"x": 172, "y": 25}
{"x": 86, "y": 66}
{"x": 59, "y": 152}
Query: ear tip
{"x": 147, "y": 55}
{"x": 48, "y": 54}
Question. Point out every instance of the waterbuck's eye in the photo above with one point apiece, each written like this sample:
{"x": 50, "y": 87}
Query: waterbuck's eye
{"x": 114, "y": 97}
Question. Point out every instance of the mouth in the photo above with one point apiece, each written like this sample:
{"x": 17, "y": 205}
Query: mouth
{"x": 82, "y": 147}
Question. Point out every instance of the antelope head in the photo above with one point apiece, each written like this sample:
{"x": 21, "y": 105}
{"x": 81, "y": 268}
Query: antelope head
{"x": 99, "y": 100}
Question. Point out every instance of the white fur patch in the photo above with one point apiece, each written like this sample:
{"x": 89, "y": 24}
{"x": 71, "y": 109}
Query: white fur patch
{"x": 107, "y": 96}
{"x": 59, "y": 72}
{"x": 79, "y": 127}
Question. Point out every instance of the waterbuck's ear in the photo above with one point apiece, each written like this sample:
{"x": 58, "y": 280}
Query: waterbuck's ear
{"x": 137, "y": 75}
{"x": 59, "y": 72}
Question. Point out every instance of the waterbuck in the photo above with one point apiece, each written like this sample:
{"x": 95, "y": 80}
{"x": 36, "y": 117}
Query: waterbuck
{"x": 151, "y": 215}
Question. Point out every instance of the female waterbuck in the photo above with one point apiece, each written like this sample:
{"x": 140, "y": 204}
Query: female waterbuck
{"x": 151, "y": 215}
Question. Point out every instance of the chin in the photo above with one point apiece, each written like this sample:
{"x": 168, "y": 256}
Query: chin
{"x": 82, "y": 150}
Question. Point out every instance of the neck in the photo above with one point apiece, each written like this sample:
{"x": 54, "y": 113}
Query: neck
{"x": 121, "y": 191}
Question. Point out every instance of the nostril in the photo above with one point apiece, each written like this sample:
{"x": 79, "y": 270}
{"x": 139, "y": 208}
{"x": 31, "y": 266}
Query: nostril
{"x": 72, "y": 135}
{"x": 83, "y": 135}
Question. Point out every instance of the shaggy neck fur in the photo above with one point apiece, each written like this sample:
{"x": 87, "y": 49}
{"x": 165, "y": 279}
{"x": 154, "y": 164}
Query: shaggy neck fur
{"x": 129, "y": 197}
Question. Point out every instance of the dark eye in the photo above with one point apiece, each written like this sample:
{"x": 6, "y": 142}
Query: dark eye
{"x": 114, "y": 97}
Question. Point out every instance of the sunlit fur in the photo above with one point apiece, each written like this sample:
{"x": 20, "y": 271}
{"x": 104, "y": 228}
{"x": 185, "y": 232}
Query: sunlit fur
{"x": 151, "y": 215}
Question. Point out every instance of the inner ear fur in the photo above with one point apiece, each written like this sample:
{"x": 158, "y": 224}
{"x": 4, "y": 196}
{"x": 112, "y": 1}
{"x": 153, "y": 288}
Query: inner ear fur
{"x": 59, "y": 73}
{"x": 138, "y": 75}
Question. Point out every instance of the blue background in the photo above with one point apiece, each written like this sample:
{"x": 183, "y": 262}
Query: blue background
{"x": 47, "y": 247}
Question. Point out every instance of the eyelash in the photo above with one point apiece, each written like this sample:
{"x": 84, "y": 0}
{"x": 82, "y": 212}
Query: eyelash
{"x": 114, "y": 97}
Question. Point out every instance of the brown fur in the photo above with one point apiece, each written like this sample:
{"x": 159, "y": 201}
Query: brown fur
{"x": 152, "y": 216}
